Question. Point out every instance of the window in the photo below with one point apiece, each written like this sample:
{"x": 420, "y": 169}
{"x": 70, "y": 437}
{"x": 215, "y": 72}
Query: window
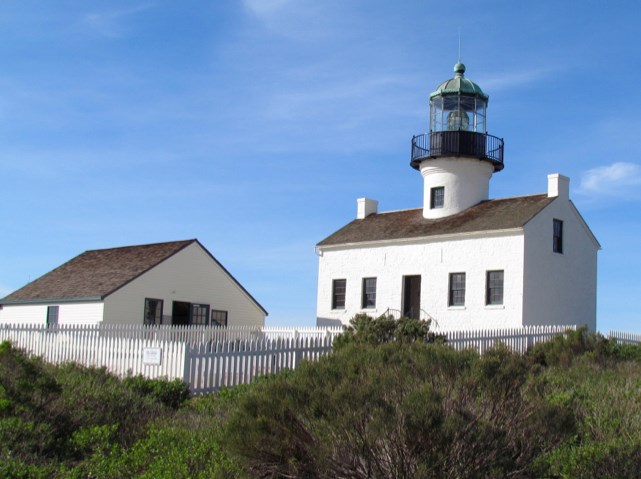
{"x": 369, "y": 293}
{"x": 437, "y": 197}
{"x": 52, "y": 316}
{"x": 338, "y": 293}
{"x": 153, "y": 311}
{"x": 199, "y": 314}
{"x": 457, "y": 289}
{"x": 557, "y": 237}
{"x": 218, "y": 317}
{"x": 494, "y": 287}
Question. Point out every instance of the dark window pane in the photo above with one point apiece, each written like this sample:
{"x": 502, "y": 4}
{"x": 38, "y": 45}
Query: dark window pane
{"x": 153, "y": 311}
{"x": 369, "y": 293}
{"x": 494, "y": 293}
{"x": 557, "y": 236}
{"x": 52, "y": 316}
{"x": 457, "y": 289}
{"x": 437, "y": 197}
{"x": 200, "y": 314}
{"x": 218, "y": 317}
{"x": 338, "y": 293}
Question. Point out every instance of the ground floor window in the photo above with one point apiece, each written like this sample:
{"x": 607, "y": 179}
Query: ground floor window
{"x": 218, "y": 317}
{"x": 338, "y": 293}
{"x": 369, "y": 293}
{"x": 457, "y": 289}
{"x": 153, "y": 311}
{"x": 52, "y": 316}
{"x": 494, "y": 287}
{"x": 199, "y": 314}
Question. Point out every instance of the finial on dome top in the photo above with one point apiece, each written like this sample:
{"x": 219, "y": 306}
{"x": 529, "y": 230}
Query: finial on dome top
{"x": 459, "y": 68}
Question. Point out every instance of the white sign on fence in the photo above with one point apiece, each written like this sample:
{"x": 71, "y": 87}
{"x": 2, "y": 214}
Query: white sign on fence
{"x": 152, "y": 356}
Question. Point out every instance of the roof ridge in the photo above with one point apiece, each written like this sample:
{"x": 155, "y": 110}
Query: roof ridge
{"x": 141, "y": 245}
{"x": 482, "y": 201}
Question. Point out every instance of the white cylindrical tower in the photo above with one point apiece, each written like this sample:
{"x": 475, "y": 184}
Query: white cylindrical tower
{"x": 457, "y": 157}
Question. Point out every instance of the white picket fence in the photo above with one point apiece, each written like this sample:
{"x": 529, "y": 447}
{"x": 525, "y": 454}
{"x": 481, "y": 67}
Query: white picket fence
{"x": 625, "y": 338}
{"x": 86, "y": 345}
{"x": 210, "y": 358}
{"x": 205, "y": 358}
{"x": 210, "y": 366}
{"x": 517, "y": 339}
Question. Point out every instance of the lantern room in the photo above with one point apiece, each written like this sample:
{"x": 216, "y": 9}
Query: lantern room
{"x": 458, "y": 124}
{"x": 458, "y": 104}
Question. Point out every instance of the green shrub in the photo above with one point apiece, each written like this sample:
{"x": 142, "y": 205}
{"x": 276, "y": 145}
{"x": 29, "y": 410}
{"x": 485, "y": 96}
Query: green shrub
{"x": 428, "y": 410}
{"x": 170, "y": 393}
{"x": 368, "y": 330}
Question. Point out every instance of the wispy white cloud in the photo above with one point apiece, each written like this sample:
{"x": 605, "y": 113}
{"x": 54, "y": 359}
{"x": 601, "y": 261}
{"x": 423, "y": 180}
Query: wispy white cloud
{"x": 517, "y": 79}
{"x": 620, "y": 179}
{"x": 111, "y": 23}
{"x": 265, "y": 7}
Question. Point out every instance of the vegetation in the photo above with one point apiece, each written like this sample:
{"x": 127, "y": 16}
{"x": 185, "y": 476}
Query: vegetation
{"x": 393, "y": 400}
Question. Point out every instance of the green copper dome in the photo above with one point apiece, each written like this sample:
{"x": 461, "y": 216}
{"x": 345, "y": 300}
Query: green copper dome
{"x": 459, "y": 85}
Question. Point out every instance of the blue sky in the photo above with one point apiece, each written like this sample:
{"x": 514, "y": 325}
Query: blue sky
{"x": 253, "y": 125}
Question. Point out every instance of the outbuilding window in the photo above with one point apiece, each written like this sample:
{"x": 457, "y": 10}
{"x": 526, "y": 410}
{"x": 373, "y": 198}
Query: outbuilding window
{"x": 494, "y": 287}
{"x": 52, "y": 316}
{"x": 557, "y": 236}
{"x": 369, "y": 293}
{"x": 153, "y": 311}
{"x": 218, "y": 317}
{"x": 457, "y": 289}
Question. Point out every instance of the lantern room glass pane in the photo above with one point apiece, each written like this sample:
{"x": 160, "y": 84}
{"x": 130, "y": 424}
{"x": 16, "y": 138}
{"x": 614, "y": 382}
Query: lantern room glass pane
{"x": 457, "y": 112}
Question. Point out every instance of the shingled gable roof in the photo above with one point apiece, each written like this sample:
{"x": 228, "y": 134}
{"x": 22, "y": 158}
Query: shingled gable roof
{"x": 95, "y": 274}
{"x": 490, "y": 215}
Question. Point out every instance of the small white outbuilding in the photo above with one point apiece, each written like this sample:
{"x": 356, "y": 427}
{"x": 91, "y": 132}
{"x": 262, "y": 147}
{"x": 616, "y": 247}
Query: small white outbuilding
{"x": 462, "y": 259}
{"x": 178, "y": 283}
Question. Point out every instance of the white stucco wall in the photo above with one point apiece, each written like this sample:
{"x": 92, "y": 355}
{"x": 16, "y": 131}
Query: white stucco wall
{"x": 191, "y": 276}
{"x": 68, "y": 313}
{"x": 560, "y": 288}
{"x": 434, "y": 259}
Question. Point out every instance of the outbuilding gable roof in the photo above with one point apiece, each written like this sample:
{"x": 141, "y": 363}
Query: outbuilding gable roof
{"x": 491, "y": 215}
{"x": 95, "y": 274}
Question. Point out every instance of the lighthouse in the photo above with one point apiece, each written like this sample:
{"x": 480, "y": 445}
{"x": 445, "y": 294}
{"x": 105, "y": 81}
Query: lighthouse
{"x": 462, "y": 259}
{"x": 457, "y": 157}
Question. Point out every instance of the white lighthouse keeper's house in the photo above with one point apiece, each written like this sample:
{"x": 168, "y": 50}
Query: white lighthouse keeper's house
{"x": 465, "y": 260}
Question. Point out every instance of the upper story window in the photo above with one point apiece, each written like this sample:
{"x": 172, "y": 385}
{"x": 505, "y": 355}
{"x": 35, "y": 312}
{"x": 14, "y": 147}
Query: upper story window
{"x": 369, "y": 293}
{"x": 153, "y": 311}
{"x": 52, "y": 316}
{"x": 457, "y": 289}
{"x": 557, "y": 236}
{"x": 437, "y": 197}
{"x": 494, "y": 287}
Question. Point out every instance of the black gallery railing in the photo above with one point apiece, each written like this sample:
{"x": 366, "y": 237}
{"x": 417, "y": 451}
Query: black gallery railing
{"x": 457, "y": 143}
